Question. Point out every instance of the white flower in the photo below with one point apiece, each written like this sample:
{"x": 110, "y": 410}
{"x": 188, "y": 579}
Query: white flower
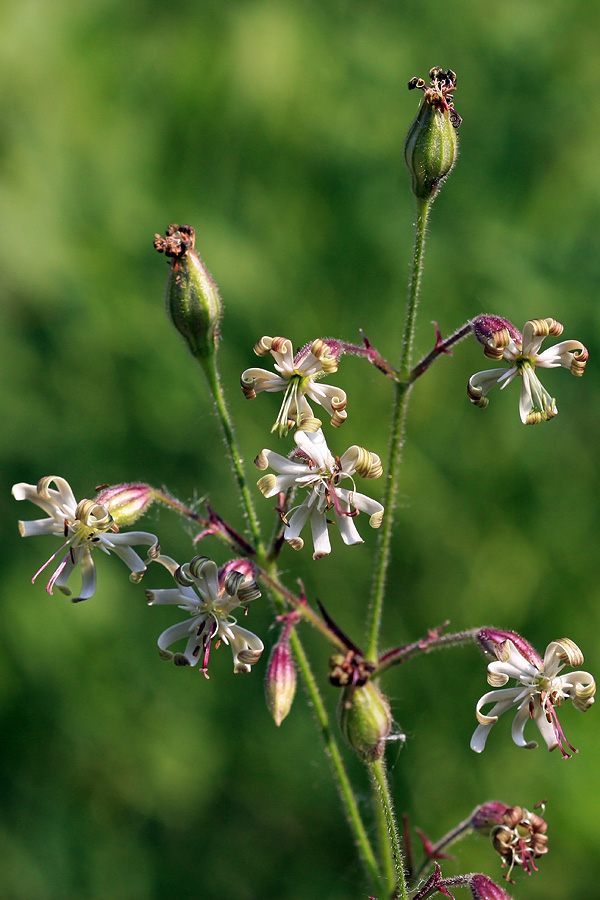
{"x": 535, "y": 403}
{"x": 208, "y": 596}
{"x": 312, "y": 466}
{"x": 82, "y": 526}
{"x": 540, "y": 688}
{"x": 299, "y": 377}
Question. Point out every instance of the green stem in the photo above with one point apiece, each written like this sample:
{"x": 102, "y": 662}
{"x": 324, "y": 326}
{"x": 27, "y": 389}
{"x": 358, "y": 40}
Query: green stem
{"x": 400, "y": 407}
{"x": 341, "y": 777}
{"x": 385, "y": 849}
{"x": 377, "y": 771}
{"x": 214, "y": 383}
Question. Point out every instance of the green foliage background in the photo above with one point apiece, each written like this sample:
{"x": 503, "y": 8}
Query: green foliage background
{"x": 276, "y": 129}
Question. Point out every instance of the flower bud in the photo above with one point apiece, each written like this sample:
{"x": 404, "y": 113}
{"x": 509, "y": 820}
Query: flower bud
{"x": 495, "y": 333}
{"x": 192, "y": 297}
{"x": 126, "y": 502}
{"x": 365, "y": 720}
{"x": 490, "y": 639}
{"x": 280, "y": 683}
{"x": 483, "y": 888}
{"x": 431, "y": 145}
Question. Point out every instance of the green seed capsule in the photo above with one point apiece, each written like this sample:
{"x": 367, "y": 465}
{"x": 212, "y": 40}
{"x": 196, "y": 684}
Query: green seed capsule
{"x": 365, "y": 720}
{"x": 431, "y": 145}
{"x": 192, "y": 297}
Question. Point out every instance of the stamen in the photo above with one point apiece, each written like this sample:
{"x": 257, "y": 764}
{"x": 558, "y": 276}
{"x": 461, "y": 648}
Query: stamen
{"x": 54, "y": 579}
{"x": 48, "y": 561}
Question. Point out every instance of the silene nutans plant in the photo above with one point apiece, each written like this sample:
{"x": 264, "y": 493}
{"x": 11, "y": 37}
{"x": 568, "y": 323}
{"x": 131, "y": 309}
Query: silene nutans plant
{"x": 312, "y": 491}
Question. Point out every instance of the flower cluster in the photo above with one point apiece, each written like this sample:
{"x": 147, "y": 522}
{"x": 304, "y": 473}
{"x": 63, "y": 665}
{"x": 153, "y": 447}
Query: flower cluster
{"x": 539, "y": 691}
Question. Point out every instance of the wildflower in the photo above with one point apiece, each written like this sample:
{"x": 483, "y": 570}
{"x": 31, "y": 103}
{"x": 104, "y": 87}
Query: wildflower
{"x": 299, "y": 376}
{"x": 83, "y": 526}
{"x": 209, "y": 596}
{"x": 503, "y": 341}
{"x": 312, "y": 466}
{"x": 540, "y": 689}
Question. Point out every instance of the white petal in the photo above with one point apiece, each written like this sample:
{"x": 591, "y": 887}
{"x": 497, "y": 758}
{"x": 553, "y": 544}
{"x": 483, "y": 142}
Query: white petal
{"x": 502, "y": 700}
{"x": 348, "y": 530}
{"x": 315, "y": 446}
{"x": 525, "y": 400}
{"x": 518, "y": 727}
{"x": 40, "y": 526}
{"x": 285, "y": 466}
{"x": 176, "y": 633}
{"x": 297, "y": 521}
{"x": 262, "y": 380}
{"x": 545, "y": 727}
{"x": 531, "y": 341}
{"x": 559, "y": 355}
{"x": 320, "y": 534}
{"x": 88, "y": 577}
{"x": 182, "y": 596}
{"x": 487, "y": 379}
{"x": 331, "y": 398}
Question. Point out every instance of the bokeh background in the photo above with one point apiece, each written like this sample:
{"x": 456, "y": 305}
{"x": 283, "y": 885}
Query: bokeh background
{"x": 276, "y": 129}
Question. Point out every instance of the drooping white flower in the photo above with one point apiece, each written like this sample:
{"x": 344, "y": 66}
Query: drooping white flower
{"x": 82, "y": 526}
{"x": 312, "y": 466}
{"x": 299, "y": 376}
{"x": 539, "y": 690}
{"x": 208, "y": 596}
{"x": 503, "y": 341}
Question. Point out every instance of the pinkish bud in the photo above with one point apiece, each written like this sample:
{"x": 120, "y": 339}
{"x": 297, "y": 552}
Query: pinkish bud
{"x": 490, "y": 638}
{"x": 280, "y": 683}
{"x": 483, "y": 888}
{"x": 495, "y": 333}
{"x": 243, "y": 566}
{"x": 126, "y": 502}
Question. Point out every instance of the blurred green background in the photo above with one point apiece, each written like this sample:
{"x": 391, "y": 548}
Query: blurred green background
{"x": 276, "y": 129}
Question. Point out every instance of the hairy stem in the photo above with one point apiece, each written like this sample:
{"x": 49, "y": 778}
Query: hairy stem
{"x": 377, "y": 771}
{"x": 400, "y": 407}
{"x": 337, "y": 764}
{"x": 433, "y": 641}
{"x": 214, "y": 383}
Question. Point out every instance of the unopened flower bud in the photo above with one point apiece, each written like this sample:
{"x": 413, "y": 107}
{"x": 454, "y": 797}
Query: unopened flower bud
{"x": 126, "y": 502}
{"x": 280, "y": 683}
{"x": 431, "y": 145}
{"x": 495, "y": 333}
{"x": 490, "y": 639}
{"x": 365, "y": 720}
{"x": 483, "y": 888}
{"x": 192, "y": 297}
